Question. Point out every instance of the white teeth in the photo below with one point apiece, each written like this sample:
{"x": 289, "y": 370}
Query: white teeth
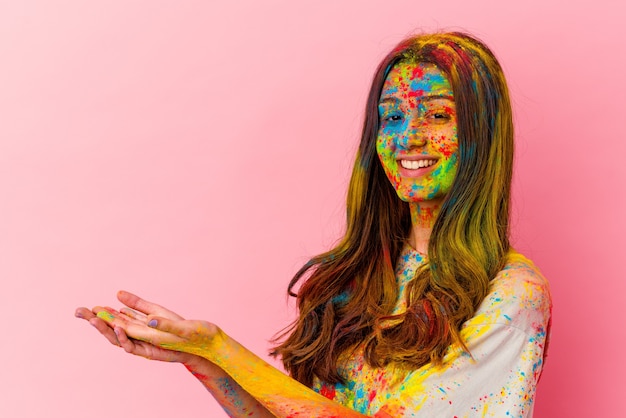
{"x": 415, "y": 164}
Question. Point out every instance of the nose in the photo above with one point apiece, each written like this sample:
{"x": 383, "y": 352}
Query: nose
{"x": 414, "y": 136}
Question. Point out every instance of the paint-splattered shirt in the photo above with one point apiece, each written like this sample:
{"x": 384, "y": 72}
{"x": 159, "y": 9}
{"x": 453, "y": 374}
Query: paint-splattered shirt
{"x": 507, "y": 338}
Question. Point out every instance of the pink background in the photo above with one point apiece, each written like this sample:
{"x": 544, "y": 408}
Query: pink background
{"x": 198, "y": 154}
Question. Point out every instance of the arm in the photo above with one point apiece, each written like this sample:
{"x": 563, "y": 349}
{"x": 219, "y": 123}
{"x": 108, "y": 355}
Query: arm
{"x": 275, "y": 392}
{"x": 498, "y": 380}
{"x": 507, "y": 339}
{"x": 234, "y": 400}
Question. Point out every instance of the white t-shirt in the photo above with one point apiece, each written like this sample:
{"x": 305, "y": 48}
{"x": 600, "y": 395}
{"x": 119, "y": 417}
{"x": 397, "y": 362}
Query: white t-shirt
{"x": 507, "y": 339}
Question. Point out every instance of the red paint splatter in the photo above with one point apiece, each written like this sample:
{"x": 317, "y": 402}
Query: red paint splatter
{"x": 372, "y": 395}
{"x": 418, "y": 72}
{"x": 328, "y": 391}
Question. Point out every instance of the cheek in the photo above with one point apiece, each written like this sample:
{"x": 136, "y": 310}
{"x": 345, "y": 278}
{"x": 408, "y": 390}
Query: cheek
{"x": 384, "y": 147}
{"x": 446, "y": 144}
{"x": 445, "y": 174}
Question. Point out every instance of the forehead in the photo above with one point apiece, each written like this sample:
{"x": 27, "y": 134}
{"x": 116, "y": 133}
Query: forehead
{"x": 415, "y": 79}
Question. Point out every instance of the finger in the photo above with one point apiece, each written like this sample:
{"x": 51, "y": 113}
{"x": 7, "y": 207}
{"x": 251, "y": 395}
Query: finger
{"x": 168, "y": 325}
{"x": 97, "y": 309}
{"x": 102, "y": 327}
{"x": 105, "y": 330}
{"x": 151, "y": 352}
{"x": 84, "y": 313}
{"x": 186, "y": 329}
{"x": 127, "y": 344}
{"x": 142, "y": 305}
{"x": 113, "y": 318}
{"x": 134, "y": 314}
{"x": 109, "y": 314}
{"x": 135, "y": 329}
{"x": 144, "y": 349}
{"x": 140, "y": 348}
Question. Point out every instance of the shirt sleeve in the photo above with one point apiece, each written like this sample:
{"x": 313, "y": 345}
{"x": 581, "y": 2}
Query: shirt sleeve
{"x": 507, "y": 341}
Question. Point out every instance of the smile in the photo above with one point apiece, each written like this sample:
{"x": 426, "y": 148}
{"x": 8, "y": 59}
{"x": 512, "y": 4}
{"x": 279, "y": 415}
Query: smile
{"x": 415, "y": 164}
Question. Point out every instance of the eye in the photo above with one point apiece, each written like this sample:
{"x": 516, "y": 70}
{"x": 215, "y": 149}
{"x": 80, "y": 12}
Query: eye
{"x": 439, "y": 116}
{"x": 438, "y": 112}
{"x": 391, "y": 117}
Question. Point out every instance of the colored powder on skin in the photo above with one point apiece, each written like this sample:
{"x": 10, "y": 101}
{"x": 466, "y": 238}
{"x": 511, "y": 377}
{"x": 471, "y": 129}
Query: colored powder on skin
{"x": 108, "y": 317}
{"x": 418, "y": 117}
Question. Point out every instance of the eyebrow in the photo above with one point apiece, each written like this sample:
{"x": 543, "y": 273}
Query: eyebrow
{"x": 394, "y": 100}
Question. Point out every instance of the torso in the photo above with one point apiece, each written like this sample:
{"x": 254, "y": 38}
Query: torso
{"x": 506, "y": 338}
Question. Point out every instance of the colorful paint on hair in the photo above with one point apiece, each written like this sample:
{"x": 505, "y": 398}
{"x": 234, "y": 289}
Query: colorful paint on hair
{"x": 469, "y": 239}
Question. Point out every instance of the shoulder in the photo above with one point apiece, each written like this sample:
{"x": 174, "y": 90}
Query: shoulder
{"x": 519, "y": 297}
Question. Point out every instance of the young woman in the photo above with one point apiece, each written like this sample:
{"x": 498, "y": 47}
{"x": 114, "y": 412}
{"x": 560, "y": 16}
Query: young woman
{"x": 423, "y": 308}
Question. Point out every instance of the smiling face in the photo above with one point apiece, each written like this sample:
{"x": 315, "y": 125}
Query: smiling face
{"x": 417, "y": 138}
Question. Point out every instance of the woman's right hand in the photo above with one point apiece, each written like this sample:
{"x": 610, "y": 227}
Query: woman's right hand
{"x": 235, "y": 401}
{"x": 137, "y": 311}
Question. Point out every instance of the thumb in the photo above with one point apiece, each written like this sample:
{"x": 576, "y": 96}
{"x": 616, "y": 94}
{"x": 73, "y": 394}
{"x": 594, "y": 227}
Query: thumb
{"x": 185, "y": 328}
{"x": 166, "y": 325}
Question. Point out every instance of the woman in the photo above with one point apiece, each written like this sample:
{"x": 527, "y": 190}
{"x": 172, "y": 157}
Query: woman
{"x": 422, "y": 309}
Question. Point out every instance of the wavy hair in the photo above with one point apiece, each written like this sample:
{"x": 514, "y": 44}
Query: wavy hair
{"x": 347, "y": 292}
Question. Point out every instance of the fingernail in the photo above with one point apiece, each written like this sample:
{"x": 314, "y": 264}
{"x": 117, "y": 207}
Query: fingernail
{"x": 79, "y": 315}
{"x": 152, "y": 323}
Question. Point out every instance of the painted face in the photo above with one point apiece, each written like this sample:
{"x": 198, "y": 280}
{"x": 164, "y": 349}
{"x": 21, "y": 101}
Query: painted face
{"x": 417, "y": 139}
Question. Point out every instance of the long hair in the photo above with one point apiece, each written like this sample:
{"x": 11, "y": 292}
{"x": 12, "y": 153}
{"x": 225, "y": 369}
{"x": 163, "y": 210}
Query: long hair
{"x": 350, "y": 290}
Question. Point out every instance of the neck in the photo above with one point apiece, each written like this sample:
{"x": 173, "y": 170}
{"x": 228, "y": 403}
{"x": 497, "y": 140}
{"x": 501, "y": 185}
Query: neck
{"x": 423, "y": 216}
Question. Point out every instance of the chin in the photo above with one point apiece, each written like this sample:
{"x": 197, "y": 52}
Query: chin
{"x": 409, "y": 197}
